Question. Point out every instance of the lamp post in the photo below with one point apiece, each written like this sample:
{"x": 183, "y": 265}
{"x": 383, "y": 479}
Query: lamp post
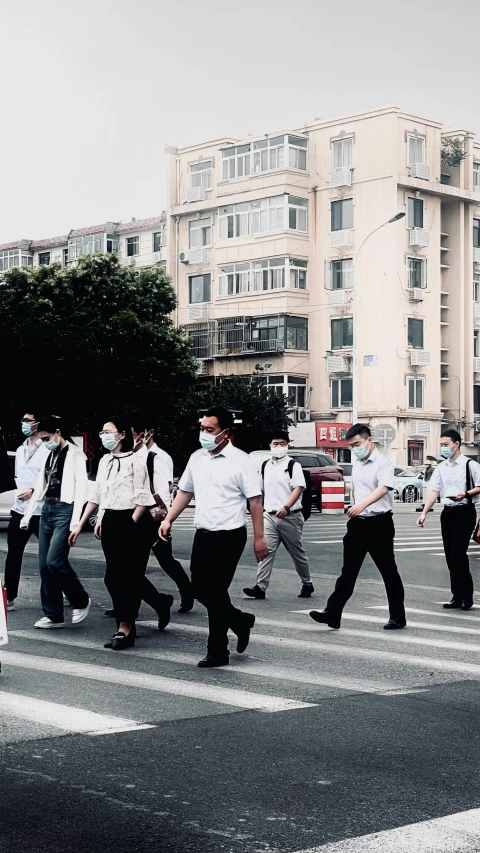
{"x": 393, "y": 218}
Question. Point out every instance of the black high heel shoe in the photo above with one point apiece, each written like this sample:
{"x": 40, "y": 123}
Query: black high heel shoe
{"x": 121, "y": 641}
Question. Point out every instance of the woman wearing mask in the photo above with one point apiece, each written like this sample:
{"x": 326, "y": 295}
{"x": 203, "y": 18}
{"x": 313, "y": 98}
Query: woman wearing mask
{"x": 61, "y": 491}
{"x": 122, "y": 493}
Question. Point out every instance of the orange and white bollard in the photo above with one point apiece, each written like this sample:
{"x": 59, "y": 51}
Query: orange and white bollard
{"x": 333, "y": 498}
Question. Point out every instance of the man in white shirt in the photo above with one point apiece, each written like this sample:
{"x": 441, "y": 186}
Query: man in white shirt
{"x": 163, "y": 481}
{"x": 457, "y": 481}
{"x": 222, "y": 478}
{"x": 370, "y": 530}
{"x": 282, "y": 515}
{"x": 28, "y": 462}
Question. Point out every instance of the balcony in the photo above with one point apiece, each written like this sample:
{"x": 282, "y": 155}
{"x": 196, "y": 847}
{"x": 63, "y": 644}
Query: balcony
{"x": 420, "y": 170}
{"x": 223, "y": 349}
{"x": 244, "y": 336}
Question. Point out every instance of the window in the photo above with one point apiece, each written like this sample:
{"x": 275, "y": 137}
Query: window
{"x": 415, "y": 453}
{"x": 264, "y": 275}
{"x": 263, "y": 216}
{"x": 476, "y": 176}
{"x": 112, "y": 243}
{"x": 290, "y": 332}
{"x": 476, "y": 343}
{"x": 234, "y": 279}
{"x": 416, "y": 272}
{"x": 342, "y": 153}
{"x": 265, "y": 155}
{"x": 159, "y": 239}
{"x": 85, "y": 245}
{"x": 415, "y": 333}
{"x": 342, "y": 333}
{"x": 415, "y": 213}
{"x": 199, "y": 288}
{"x": 476, "y": 233}
{"x": 133, "y": 246}
{"x": 235, "y": 162}
{"x": 341, "y": 274}
{"x": 297, "y": 214}
{"x": 296, "y": 337}
{"x": 43, "y": 259}
{"x": 14, "y": 258}
{"x": 201, "y": 174}
{"x": 296, "y": 391}
{"x": 200, "y": 338}
{"x": 342, "y": 214}
{"x": 416, "y": 149}
{"x": 476, "y": 399}
{"x": 341, "y": 392}
{"x": 65, "y": 257}
{"x": 414, "y": 392}
{"x": 476, "y": 287}
{"x": 199, "y": 233}
{"x": 297, "y": 153}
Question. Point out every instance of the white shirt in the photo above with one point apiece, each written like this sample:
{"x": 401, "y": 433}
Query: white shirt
{"x": 160, "y": 478}
{"x": 122, "y": 483}
{"x": 221, "y": 485}
{"x": 367, "y": 475}
{"x": 28, "y": 464}
{"x": 74, "y": 488}
{"x": 450, "y": 479}
{"x": 277, "y": 485}
{"x": 166, "y": 460}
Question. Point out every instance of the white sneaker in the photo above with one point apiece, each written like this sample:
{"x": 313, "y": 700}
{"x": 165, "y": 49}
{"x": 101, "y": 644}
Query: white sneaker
{"x": 11, "y": 605}
{"x": 45, "y": 622}
{"x": 78, "y": 615}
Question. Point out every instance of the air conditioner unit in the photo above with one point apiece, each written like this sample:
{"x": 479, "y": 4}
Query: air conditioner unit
{"x": 419, "y": 237}
{"x": 419, "y": 427}
{"x": 476, "y": 256}
{"x": 337, "y": 297}
{"x": 416, "y": 294}
{"x": 183, "y": 257}
{"x": 341, "y": 178}
{"x": 198, "y": 311}
{"x": 201, "y": 368}
{"x": 131, "y": 261}
{"x": 341, "y": 238}
{"x": 196, "y": 194}
{"x": 303, "y": 415}
{"x": 338, "y": 364}
{"x": 476, "y": 426}
{"x": 476, "y": 365}
{"x": 198, "y": 256}
{"x": 419, "y": 358}
{"x": 420, "y": 170}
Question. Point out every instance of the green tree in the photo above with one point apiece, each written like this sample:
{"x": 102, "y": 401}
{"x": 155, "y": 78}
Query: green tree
{"x": 262, "y": 411}
{"x": 92, "y": 339}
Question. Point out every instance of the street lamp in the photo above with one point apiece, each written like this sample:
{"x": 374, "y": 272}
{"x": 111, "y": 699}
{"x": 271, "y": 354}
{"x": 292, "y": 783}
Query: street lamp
{"x": 394, "y": 218}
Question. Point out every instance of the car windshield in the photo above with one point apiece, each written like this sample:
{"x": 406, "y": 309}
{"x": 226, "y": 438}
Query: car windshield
{"x": 409, "y": 472}
{"x": 347, "y": 468}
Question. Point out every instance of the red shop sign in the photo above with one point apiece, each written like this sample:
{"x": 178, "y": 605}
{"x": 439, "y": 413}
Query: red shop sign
{"x": 331, "y": 434}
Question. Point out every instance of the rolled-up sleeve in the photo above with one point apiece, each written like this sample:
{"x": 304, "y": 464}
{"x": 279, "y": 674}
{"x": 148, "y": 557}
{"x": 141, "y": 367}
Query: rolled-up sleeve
{"x": 250, "y": 480}
{"x": 386, "y": 474}
{"x": 186, "y": 480}
{"x": 95, "y": 495}
{"x": 298, "y": 477}
{"x": 435, "y": 481}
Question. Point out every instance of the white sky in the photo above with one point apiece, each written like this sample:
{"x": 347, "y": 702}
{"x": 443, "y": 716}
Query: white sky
{"x": 93, "y": 90}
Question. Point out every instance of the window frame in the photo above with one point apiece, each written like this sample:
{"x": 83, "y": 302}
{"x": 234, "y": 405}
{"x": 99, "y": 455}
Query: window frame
{"x": 423, "y": 140}
{"x": 201, "y": 228}
{"x": 43, "y": 263}
{"x": 341, "y": 142}
{"x": 476, "y": 343}
{"x": 337, "y": 383}
{"x": 345, "y": 334}
{"x": 341, "y": 274}
{"x": 476, "y": 174}
{"x": 203, "y": 301}
{"x": 201, "y": 171}
{"x": 415, "y": 205}
{"x": 339, "y": 204}
{"x": 261, "y": 216}
{"x": 476, "y": 287}
{"x": 412, "y": 263}
{"x": 476, "y": 232}
{"x": 411, "y": 322}
{"x": 132, "y": 243}
{"x": 414, "y": 384}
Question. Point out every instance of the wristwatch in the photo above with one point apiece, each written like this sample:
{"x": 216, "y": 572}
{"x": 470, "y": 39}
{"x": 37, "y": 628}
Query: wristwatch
{"x": 288, "y": 509}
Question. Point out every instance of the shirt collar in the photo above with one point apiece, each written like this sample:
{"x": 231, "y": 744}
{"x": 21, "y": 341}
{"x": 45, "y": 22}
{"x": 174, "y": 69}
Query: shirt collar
{"x": 372, "y": 456}
{"x": 457, "y": 460}
{"x": 227, "y": 451}
{"x": 37, "y": 443}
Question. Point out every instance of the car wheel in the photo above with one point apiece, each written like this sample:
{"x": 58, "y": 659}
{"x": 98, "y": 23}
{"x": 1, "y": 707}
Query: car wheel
{"x": 409, "y": 494}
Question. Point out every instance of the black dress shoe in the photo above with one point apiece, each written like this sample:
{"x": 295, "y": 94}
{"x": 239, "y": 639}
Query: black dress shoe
{"x": 110, "y": 613}
{"x": 394, "y": 624}
{"x": 452, "y": 605}
{"x": 121, "y": 641}
{"x": 243, "y": 636}
{"x": 254, "y": 592}
{"x": 211, "y": 661}
{"x": 186, "y": 604}
{"x": 306, "y": 590}
{"x": 325, "y": 618}
{"x": 467, "y": 604}
{"x": 164, "y": 613}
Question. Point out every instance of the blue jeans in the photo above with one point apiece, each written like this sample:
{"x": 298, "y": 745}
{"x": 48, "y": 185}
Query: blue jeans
{"x": 55, "y": 571}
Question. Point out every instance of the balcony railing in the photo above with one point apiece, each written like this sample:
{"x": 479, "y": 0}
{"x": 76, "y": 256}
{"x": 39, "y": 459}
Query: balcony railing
{"x": 223, "y": 349}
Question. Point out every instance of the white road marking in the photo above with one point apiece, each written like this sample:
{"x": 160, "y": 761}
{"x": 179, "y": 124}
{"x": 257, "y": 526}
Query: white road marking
{"x": 457, "y": 833}
{"x": 425, "y": 626}
{"x": 64, "y": 717}
{"x": 460, "y": 614}
{"x": 191, "y": 689}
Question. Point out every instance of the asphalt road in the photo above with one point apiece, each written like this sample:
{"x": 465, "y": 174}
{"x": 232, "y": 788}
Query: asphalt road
{"x": 310, "y": 739}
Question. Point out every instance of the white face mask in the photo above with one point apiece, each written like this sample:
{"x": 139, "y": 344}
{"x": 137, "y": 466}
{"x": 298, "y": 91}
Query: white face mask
{"x": 279, "y": 452}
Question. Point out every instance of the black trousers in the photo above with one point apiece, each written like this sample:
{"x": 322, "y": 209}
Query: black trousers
{"x": 374, "y": 536}
{"x": 16, "y": 542}
{"x": 457, "y": 525}
{"x": 214, "y": 560}
{"x": 172, "y": 567}
{"x": 126, "y": 546}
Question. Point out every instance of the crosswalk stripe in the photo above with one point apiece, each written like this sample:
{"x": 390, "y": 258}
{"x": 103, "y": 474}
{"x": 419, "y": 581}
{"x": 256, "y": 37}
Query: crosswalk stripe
{"x": 425, "y": 626}
{"x": 160, "y": 684}
{"x": 459, "y": 615}
{"x": 64, "y": 717}
{"x": 251, "y": 667}
{"x": 457, "y": 833}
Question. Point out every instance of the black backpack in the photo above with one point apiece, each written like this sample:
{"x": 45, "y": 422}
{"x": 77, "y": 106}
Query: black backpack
{"x": 307, "y": 492}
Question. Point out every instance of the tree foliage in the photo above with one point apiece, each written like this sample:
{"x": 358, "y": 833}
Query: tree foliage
{"x": 92, "y": 339}
{"x": 453, "y": 151}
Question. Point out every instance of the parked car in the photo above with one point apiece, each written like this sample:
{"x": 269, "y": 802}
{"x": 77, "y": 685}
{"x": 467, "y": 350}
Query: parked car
{"x": 347, "y": 476}
{"x": 7, "y": 499}
{"x": 321, "y": 467}
{"x": 409, "y": 484}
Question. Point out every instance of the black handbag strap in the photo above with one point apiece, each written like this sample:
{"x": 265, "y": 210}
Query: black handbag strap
{"x": 469, "y": 482}
{"x": 150, "y": 464}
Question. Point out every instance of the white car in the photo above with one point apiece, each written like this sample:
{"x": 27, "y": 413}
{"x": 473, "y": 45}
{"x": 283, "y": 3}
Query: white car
{"x": 7, "y": 499}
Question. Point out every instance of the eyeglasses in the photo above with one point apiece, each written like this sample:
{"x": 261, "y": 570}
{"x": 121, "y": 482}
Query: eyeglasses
{"x": 108, "y": 432}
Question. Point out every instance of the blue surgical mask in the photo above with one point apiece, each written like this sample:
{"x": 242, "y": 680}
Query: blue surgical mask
{"x": 51, "y": 444}
{"x": 447, "y": 452}
{"x": 109, "y": 441}
{"x": 27, "y": 428}
{"x": 209, "y": 441}
{"x": 360, "y": 452}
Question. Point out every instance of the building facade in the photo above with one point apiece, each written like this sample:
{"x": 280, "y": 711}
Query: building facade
{"x": 266, "y": 237}
{"x": 140, "y": 243}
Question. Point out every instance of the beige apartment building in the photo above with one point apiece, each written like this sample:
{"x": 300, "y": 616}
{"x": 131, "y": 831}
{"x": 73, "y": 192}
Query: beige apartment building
{"x": 139, "y": 243}
{"x": 266, "y": 237}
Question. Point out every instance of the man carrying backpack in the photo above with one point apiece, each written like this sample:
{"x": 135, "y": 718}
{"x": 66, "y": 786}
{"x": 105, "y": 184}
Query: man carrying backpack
{"x": 283, "y": 484}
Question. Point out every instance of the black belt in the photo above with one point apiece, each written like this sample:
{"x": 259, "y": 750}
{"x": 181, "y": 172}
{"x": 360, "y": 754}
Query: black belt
{"x": 274, "y": 511}
{"x": 52, "y": 501}
{"x": 370, "y": 517}
{"x": 460, "y": 506}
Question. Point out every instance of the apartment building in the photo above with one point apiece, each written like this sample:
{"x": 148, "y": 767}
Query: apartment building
{"x": 266, "y": 238}
{"x": 139, "y": 243}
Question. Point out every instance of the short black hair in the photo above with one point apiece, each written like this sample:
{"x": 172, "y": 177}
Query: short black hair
{"x": 279, "y": 434}
{"x": 123, "y": 425}
{"x": 50, "y": 423}
{"x": 359, "y": 429}
{"x": 223, "y": 416}
{"x": 141, "y": 425}
{"x": 453, "y": 434}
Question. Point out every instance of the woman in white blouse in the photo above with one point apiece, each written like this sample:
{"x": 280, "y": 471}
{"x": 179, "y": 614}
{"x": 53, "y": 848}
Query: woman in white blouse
{"x": 122, "y": 493}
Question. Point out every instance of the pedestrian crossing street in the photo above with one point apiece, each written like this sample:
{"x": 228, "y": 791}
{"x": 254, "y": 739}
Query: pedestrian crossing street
{"x": 65, "y": 682}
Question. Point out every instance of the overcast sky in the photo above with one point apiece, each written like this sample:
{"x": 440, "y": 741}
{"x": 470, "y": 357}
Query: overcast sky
{"x": 93, "y": 90}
